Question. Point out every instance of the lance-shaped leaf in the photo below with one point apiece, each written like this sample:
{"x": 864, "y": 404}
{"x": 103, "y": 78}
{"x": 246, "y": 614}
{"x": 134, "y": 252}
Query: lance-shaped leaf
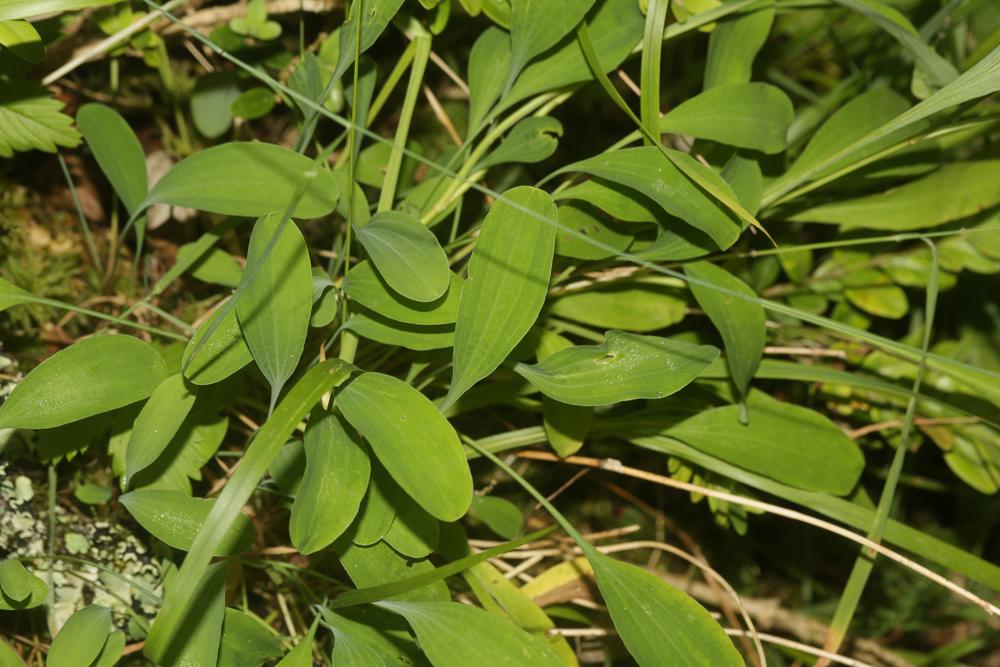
{"x": 12, "y": 295}
{"x": 160, "y": 419}
{"x": 301, "y": 655}
{"x": 918, "y": 204}
{"x": 414, "y": 442}
{"x": 375, "y": 18}
{"x": 117, "y": 151}
{"x": 276, "y": 305}
{"x": 626, "y": 366}
{"x": 246, "y": 641}
{"x": 334, "y": 484}
{"x": 222, "y": 354}
{"x": 508, "y": 280}
{"x": 659, "y": 624}
{"x": 175, "y": 519}
{"x": 788, "y": 443}
{"x": 411, "y": 336}
{"x": 748, "y": 115}
{"x": 247, "y": 179}
{"x": 537, "y": 25}
{"x": 81, "y": 638}
{"x": 741, "y": 322}
{"x": 87, "y": 378}
{"x": 198, "y": 643}
{"x": 458, "y": 635}
{"x": 489, "y": 62}
{"x": 531, "y": 140}
{"x": 407, "y": 255}
{"x": 364, "y": 285}
{"x": 734, "y": 45}
{"x": 647, "y": 170}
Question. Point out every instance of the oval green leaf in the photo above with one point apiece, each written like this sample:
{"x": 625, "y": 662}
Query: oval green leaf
{"x": 222, "y": 354}
{"x": 82, "y": 638}
{"x": 414, "y": 442}
{"x": 741, "y": 322}
{"x": 175, "y": 519}
{"x": 625, "y": 367}
{"x": 502, "y": 516}
{"x": 508, "y": 279}
{"x": 407, "y": 255}
{"x": 160, "y": 419}
{"x": 87, "y": 378}
{"x": 276, "y": 305}
{"x": 788, "y": 443}
{"x": 249, "y": 180}
{"x": 537, "y": 25}
{"x": 334, "y": 484}
{"x": 364, "y": 285}
{"x": 117, "y": 151}
{"x": 457, "y": 635}
{"x": 15, "y": 581}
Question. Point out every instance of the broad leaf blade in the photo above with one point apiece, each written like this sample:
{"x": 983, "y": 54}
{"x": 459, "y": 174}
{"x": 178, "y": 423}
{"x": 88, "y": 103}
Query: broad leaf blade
{"x": 275, "y": 306}
{"x": 333, "y": 486}
{"x": 224, "y": 353}
{"x": 176, "y": 519}
{"x": 508, "y": 279}
{"x": 407, "y": 255}
{"x": 117, "y": 150}
{"x": 537, "y": 25}
{"x": 82, "y": 638}
{"x": 364, "y": 285}
{"x": 249, "y": 180}
{"x": 625, "y": 367}
{"x": 417, "y": 445}
{"x": 87, "y": 378}
{"x": 160, "y": 419}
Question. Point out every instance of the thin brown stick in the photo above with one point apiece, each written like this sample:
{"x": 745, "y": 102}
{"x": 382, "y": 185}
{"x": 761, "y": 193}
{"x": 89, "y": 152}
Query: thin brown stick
{"x": 919, "y": 421}
{"x": 442, "y": 115}
{"x": 615, "y": 466}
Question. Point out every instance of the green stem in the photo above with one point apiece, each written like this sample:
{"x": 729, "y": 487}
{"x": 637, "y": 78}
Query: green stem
{"x": 421, "y": 54}
{"x": 108, "y": 318}
{"x": 652, "y": 50}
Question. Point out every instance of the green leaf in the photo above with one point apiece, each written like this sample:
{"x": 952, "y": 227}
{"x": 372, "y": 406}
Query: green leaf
{"x": 741, "y": 323}
{"x": 364, "y": 285}
{"x": 748, "y": 115}
{"x": 197, "y": 440}
{"x": 249, "y": 180}
{"x": 859, "y": 116}
{"x": 246, "y": 642}
{"x": 160, "y": 419}
{"x": 617, "y": 28}
{"x": 625, "y": 367}
{"x": 301, "y": 655}
{"x": 22, "y": 39}
{"x": 407, "y": 255}
{"x": 735, "y": 43}
{"x": 918, "y": 204}
{"x": 29, "y": 117}
{"x": 211, "y": 102}
{"x": 333, "y": 486}
{"x": 417, "y": 445}
{"x": 378, "y": 564}
{"x": 371, "y": 637}
{"x": 215, "y": 266}
{"x": 411, "y": 336}
{"x": 537, "y": 25}
{"x": 200, "y": 636}
{"x": 648, "y": 171}
{"x": 378, "y": 509}
{"x": 176, "y": 519}
{"x": 502, "y": 516}
{"x": 659, "y": 624}
{"x": 489, "y": 63}
{"x": 254, "y": 103}
{"x": 788, "y": 443}
{"x": 92, "y": 494}
{"x": 628, "y": 305}
{"x": 276, "y": 305}
{"x": 508, "y": 279}
{"x": 90, "y": 377}
{"x": 9, "y": 656}
{"x": 38, "y": 596}
{"x": 112, "y": 652}
{"x": 458, "y": 635}
{"x": 413, "y": 533}
{"x": 24, "y": 9}
{"x": 376, "y": 18}
{"x": 619, "y": 202}
{"x": 871, "y": 290}
{"x": 15, "y": 581}
{"x": 532, "y": 140}
{"x": 12, "y": 295}
{"x": 224, "y": 353}
{"x": 586, "y": 220}
{"x": 117, "y": 151}
{"x": 81, "y": 638}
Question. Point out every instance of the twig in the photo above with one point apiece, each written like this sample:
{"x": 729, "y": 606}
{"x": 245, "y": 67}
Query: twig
{"x": 919, "y": 421}
{"x": 615, "y": 466}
